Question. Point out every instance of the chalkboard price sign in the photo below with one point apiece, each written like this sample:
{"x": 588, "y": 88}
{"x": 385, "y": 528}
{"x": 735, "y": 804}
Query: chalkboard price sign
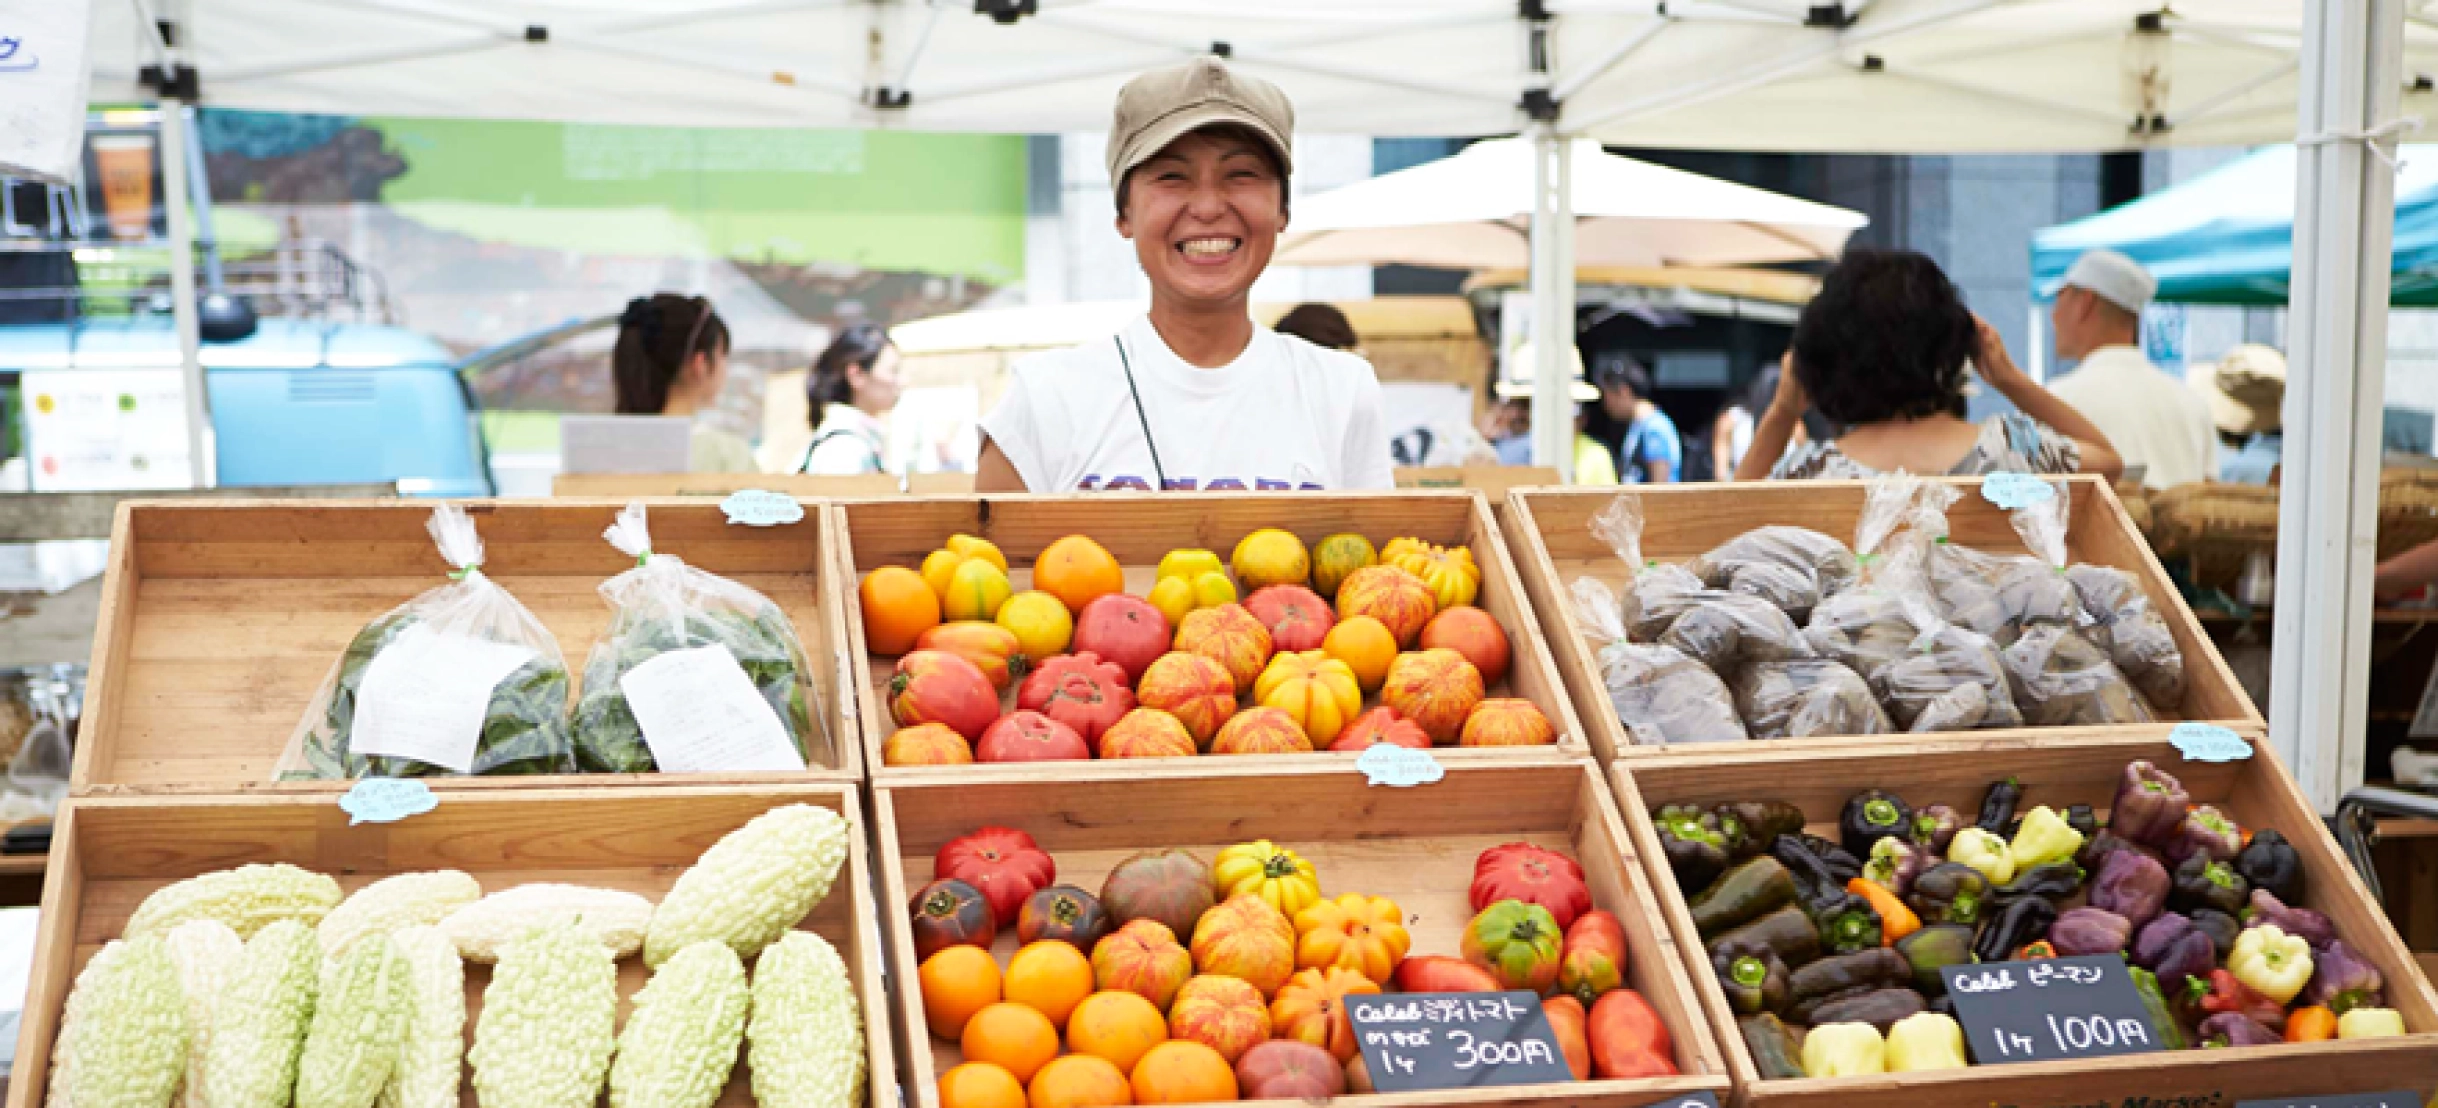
{"x": 2346, "y": 1100}
{"x": 1417, "y": 1041}
{"x": 2050, "y": 1008}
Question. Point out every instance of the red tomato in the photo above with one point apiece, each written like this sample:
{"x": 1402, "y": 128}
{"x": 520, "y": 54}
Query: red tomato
{"x": 1522, "y": 871}
{"x": 1079, "y": 690}
{"x": 934, "y": 686}
{"x": 1003, "y": 862}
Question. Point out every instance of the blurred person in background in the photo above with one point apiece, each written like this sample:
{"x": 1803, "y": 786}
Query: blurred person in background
{"x": 1322, "y": 325}
{"x": 2246, "y": 392}
{"x": 1643, "y": 445}
{"x": 851, "y": 389}
{"x": 671, "y": 359}
{"x": 1881, "y": 351}
{"x": 1512, "y": 410}
{"x": 2152, "y": 419}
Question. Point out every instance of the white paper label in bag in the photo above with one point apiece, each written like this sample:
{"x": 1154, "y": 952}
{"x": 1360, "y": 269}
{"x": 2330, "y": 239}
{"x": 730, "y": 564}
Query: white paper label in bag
{"x": 701, "y": 714}
{"x": 425, "y": 694}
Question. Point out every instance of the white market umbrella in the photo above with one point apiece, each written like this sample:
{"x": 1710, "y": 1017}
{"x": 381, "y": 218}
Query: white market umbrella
{"x": 1474, "y": 211}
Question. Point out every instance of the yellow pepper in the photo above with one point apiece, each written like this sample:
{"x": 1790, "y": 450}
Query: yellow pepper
{"x": 2276, "y": 965}
{"x": 1272, "y": 872}
{"x": 1984, "y": 852}
{"x": 2044, "y": 837}
{"x": 2370, "y": 1023}
{"x": 1925, "y": 1041}
{"x": 1844, "y": 1050}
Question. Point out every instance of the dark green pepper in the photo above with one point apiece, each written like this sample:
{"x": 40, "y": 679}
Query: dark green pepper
{"x": 1843, "y": 864}
{"x": 1787, "y": 931}
{"x": 2049, "y": 881}
{"x": 2083, "y": 820}
{"x": 1742, "y": 894}
{"x": 1998, "y": 807}
{"x": 1774, "y": 1050}
{"x": 2270, "y": 862}
{"x": 1949, "y": 892}
{"x": 1753, "y": 975}
{"x": 1812, "y": 873}
{"x": 1695, "y": 847}
{"x": 2221, "y": 928}
{"x": 1847, "y": 922}
{"x": 1872, "y": 815}
{"x": 2095, "y": 850}
{"x": 2163, "y": 1021}
{"x": 1758, "y": 822}
{"x": 1933, "y": 947}
{"x": 2203, "y": 882}
{"x": 2018, "y": 923}
{"x": 1846, "y": 975}
{"x": 1880, "y": 1008}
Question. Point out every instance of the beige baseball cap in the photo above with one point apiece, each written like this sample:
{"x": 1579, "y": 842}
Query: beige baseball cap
{"x": 2246, "y": 389}
{"x": 1159, "y": 107}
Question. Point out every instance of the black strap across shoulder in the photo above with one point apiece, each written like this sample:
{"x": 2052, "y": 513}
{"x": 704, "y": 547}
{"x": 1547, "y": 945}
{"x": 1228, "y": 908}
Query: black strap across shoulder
{"x": 1158, "y": 473}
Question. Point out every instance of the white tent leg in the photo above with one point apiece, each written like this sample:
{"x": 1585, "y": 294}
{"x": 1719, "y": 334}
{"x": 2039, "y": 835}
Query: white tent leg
{"x": 1553, "y": 302}
{"x": 2327, "y": 518}
{"x": 174, "y": 138}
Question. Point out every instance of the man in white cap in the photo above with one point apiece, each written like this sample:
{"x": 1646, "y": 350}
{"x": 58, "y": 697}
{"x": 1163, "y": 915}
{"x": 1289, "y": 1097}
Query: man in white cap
{"x": 2151, "y": 419}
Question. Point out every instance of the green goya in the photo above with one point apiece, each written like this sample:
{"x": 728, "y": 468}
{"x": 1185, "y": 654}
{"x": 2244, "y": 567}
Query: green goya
{"x": 548, "y": 1022}
{"x": 351, "y": 1048}
{"x": 805, "y": 1044}
{"x": 680, "y": 1044}
{"x": 123, "y": 1037}
{"x": 753, "y": 885}
{"x": 258, "y": 1028}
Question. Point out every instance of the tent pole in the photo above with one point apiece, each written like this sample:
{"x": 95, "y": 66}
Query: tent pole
{"x": 1553, "y": 301}
{"x": 2327, "y": 517}
{"x": 174, "y": 137}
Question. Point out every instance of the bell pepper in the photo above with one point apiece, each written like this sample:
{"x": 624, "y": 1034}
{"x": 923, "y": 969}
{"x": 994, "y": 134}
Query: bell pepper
{"x": 1841, "y": 863}
{"x": 1870, "y": 816}
{"x": 2044, "y": 837}
{"x": 1933, "y": 827}
{"x": 2018, "y": 922}
{"x": 2095, "y": 852}
{"x": 2163, "y": 1022}
{"x": 2033, "y": 952}
{"x": 1984, "y": 852}
{"x": 2370, "y": 1023}
{"x": 2221, "y": 928}
{"x": 2310, "y": 1025}
{"x": 1627, "y": 1039}
{"x": 2090, "y": 931}
{"x": 2232, "y": 1029}
{"x": 2054, "y": 881}
{"x": 1754, "y": 824}
{"x": 1695, "y": 847}
{"x": 1925, "y": 1041}
{"x": 1935, "y": 947}
{"x": 2342, "y": 980}
{"x": 1787, "y": 931}
{"x": 2083, "y": 820}
{"x": 1893, "y": 865}
{"x": 2149, "y": 805}
{"x": 1754, "y": 977}
{"x": 1811, "y": 872}
{"x": 2168, "y": 946}
{"x": 1845, "y": 975}
{"x": 1844, "y": 1050}
{"x": 1950, "y": 892}
{"x": 1750, "y": 890}
{"x": 2222, "y": 992}
{"x": 2133, "y": 885}
{"x": 1998, "y": 806}
{"x": 2205, "y": 830}
{"x": 1880, "y": 1008}
{"x": 2266, "y": 910}
{"x": 1895, "y": 920}
{"x": 2201, "y": 881}
{"x": 1519, "y": 943}
{"x": 1846, "y": 921}
{"x": 2271, "y": 961}
{"x": 1774, "y": 1050}
{"x": 2270, "y": 862}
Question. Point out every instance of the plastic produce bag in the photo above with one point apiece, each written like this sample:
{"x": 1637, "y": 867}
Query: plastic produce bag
{"x": 2060, "y": 678}
{"x": 461, "y": 679}
{"x": 1868, "y": 624}
{"x": 2001, "y": 594}
{"x": 2134, "y": 634}
{"x": 1656, "y": 593}
{"x": 1948, "y": 678}
{"x": 1793, "y": 568}
{"x": 1661, "y": 696}
{"x": 1668, "y": 605}
{"x": 696, "y": 673}
{"x": 1800, "y": 697}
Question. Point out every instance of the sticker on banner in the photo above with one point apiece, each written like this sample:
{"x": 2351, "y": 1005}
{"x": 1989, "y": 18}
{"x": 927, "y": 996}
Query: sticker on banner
{"x": 386, "y": 800}
{"x": 2208, "y": 742}
{"x": 2014, "y": 491}
{"x": 761, "y": 508}
{"x": 1398, "y": 766}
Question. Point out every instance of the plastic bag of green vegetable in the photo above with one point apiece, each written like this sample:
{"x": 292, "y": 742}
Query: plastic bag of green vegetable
{"x": 462, "y": 679}
{"x": 696, "y": 673}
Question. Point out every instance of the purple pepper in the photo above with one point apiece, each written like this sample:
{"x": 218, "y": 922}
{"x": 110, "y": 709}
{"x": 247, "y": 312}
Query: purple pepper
{"x": 2131, "y": 884}
{"x": 2090, "y": 931}
{"x": 2149, "y": 805}
{"x": 2172, "y": 948}
{"x": 2205, "y": 830}
{"x": 2236, "y": 1029}
{"x": 2342, "y": 980}
{"x": 2314, "y": 928}
{"x": 1934, "y": 827}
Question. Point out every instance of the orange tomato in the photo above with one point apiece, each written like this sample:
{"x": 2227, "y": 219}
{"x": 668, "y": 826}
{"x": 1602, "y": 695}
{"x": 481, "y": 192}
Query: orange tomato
{"x": 1183, "y": 1073}
{"x": 957, "y": 982}
{"x": 1366, "y": 646}
{"x": 1077, "y": 571}
{"x": 1118, "y": 1026}
{"x": 980, "y": 1085}
{"x": 1011, "y": 1036}
{"x": 1080, "y": 1081}
{"x": 1051, "y": 977}
{"x": 897, "y": 608}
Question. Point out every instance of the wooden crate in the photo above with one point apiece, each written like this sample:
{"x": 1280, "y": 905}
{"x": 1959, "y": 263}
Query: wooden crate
{"x": 1415, "y": 846}
{"x": 1553, "y": 546}
{"x": 111, "y": 852}
{"x": 220, "y": 620}
{"x": 1139, "y": 528}
{"x": 2057, "y": 770}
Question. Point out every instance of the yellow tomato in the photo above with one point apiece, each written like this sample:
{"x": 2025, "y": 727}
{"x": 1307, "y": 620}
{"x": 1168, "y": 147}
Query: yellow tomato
{"x": 1364, "y": 934}
{"x": 1316, "y": 689}
{"x": 1182, "y": 594}
{"x": 1041, "y": 622}
{"x": 967, "y": 546}
{"x": 976, "y": 592}
{"x": 1189, "y": 563}
{"x": 1280, "y": 877}
{"x": 1272, "y": 557}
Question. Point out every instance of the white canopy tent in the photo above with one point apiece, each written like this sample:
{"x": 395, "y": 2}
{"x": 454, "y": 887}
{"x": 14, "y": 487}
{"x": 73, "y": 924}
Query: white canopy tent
{"x": 1882, "y": 76}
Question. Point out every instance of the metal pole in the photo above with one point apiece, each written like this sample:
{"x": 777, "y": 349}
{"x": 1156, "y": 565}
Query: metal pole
{"x": 2344, "y": 224}
{"x": 1553, "y": 303}
{"x": 199, "y": 192}
{"x": 182, "y": 291}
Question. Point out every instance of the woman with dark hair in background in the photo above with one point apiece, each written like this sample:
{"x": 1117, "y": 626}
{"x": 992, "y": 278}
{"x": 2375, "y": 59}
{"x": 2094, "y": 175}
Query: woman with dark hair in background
{"x": 853, "y": 385}
{"x": 1322, "y": 325}
{"x": 672, "y": 360}
{"x": 1881, "y": 351}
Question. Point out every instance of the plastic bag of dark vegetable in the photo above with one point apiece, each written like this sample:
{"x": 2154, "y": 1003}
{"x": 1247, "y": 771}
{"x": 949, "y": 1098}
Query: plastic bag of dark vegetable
{"x": 695, "y": 674}
{"x": 1999, "y": 595}
{"x": 1793, "y": 568}
{"x": 1801, "y": 697}
{"x": 1866, "y": 625}
{"x": 2131, "y": 630}
{"x": 1948, "y": 678}
{"x": 1655, "y": 593}
{"x": 462, "y": 679}
{"x": 1668, "y": 605}
{"x": 1662, "y": 697}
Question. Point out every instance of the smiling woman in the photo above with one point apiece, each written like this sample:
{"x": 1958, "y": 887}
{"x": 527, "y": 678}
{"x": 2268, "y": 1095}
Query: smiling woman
{"x": 1194, "y": 395}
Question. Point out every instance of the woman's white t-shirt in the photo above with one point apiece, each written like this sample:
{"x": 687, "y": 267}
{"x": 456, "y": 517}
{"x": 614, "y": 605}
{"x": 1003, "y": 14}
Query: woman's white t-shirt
{"x": 1284, "y": 415}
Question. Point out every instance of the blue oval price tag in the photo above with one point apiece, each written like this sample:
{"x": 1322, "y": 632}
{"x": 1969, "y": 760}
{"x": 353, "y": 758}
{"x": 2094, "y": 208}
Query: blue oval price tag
{"x": 2014, "y": 491}
{"x": 761, "y": 508}
{"x": 2208, "y": 742}
{"x": 387, "y": 800}
{"x": 1399, "y": 766}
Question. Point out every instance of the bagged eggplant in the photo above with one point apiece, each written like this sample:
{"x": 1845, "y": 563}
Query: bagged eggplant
{"x": 1948, "y": 678}
{"x": 1999, "y": 595}
{"x": 462, "y": 679}
{"x": 2059, "y": 675}
{"x": 1797, "y": 698}
{"x": 1868, "y": 624}
{"x": 1655, "y": 594}
{"x": 2136, "y": 637}
{"x": 695, "y": 674}
{"x": 1793, "y": 568}
{"x": 1668, "y": 605}
{"x": 1661, "y": 696}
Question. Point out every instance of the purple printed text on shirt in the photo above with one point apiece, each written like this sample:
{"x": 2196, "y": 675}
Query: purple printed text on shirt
{"x": 1095, "y": 483}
